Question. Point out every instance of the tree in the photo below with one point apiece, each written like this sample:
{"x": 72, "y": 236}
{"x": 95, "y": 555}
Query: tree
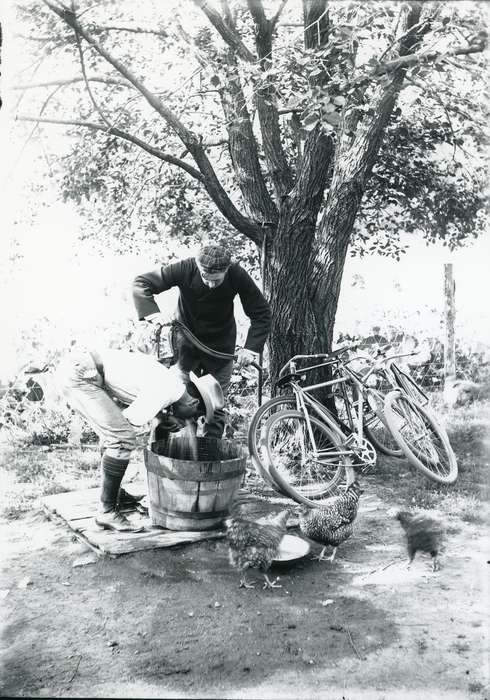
{"x": 306, "y": 130}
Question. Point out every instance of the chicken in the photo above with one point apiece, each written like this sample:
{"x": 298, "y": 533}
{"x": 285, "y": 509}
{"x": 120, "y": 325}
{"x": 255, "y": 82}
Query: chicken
{"x": 332, "y": 523}
{"x": 253, "y": 544}
{"x": 424, "y": 533}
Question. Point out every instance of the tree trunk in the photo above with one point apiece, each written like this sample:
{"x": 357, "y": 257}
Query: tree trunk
{"x": 295, "y": 328}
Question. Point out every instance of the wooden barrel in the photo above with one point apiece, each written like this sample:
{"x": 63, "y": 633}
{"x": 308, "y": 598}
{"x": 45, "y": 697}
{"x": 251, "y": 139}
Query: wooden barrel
{"x": 192, "y": 481}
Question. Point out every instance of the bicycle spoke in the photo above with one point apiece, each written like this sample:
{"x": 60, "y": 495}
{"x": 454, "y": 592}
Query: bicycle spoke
{"x": 309, "y": 467}
{"x": 424, "y": 442}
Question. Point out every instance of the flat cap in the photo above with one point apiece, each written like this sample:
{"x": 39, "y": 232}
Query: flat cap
{"x": 214, "y": 258}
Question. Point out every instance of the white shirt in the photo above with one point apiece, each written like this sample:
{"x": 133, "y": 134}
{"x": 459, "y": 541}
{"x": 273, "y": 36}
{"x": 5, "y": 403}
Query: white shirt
{"x": 140, "y": 381}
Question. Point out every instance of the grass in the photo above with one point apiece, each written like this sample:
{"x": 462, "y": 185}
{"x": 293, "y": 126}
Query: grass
{"x": 29, "y": 473}
{"x": 469, "y": 432}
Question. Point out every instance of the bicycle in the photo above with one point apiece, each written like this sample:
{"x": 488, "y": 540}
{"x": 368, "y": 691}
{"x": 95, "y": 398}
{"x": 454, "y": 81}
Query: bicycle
{"x": 307, "y": 456}
{"x": 375, "y": 428}
{"x": 402, "y": 414}
{"x": 387, "y": 376}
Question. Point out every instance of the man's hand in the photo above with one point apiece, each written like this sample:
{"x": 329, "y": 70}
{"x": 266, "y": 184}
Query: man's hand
{"x": 246, "y": 357}
{"x": 157, "y": 319}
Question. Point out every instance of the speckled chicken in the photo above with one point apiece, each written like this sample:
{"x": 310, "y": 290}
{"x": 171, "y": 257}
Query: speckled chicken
{"x": 424, "y": 533}
{"x": 332, "y": 523}
{"x": 253, "y": 544}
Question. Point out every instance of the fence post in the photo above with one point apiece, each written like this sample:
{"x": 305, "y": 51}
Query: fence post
{"x": 449, "y": 317}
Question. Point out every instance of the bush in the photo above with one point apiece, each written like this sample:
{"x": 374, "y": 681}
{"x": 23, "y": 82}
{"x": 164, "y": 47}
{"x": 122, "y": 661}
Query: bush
{"x": 427, "y": 368}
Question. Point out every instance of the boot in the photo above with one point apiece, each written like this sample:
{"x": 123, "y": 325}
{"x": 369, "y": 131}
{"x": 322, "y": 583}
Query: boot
{"x": 127, "y": 500}
{"x": 110, "y": 518}
{"x": 115, "y": 520}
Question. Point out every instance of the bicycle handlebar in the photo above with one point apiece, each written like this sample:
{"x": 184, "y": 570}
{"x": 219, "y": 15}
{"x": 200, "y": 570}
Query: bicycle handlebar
{"x": 319, "y": 356}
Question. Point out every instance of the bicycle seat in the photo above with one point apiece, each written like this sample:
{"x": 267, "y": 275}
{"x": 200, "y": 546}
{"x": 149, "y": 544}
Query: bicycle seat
{"x": 293, "y": 376}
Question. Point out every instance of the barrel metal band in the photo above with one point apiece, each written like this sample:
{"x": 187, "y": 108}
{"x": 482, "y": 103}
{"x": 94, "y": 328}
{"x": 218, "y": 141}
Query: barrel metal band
{"x": 154, "y": 465}
{"x": 193, "y": 516}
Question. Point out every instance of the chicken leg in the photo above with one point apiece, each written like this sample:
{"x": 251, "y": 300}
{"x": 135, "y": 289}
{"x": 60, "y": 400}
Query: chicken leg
{"x": 271, "y": 584}
{"x": 322, "y": 557}
{"x": 244, "y": 583}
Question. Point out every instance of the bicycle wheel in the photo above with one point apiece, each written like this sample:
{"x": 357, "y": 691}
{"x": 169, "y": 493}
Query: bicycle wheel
{"x": 300, "y": 470}
{"x": 255, "y": 430}
{"x": 375, "y": 428}
{"x": 409, "y": 386}
{"x": 424, "y": 442}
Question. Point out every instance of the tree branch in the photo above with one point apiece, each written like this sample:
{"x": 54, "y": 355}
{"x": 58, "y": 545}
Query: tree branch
{"x": 32, "y": 38}
{"x": 114, "y": 131}
{"x": 69, "y": 18}
{"x": 278, "y": 166}
{"x": 87, "y": 84}
{"x": 397, "y": 40}
{"x": 227, "y": 33}
{"x": 407, "y": 61}
{"x": 242, "y": 143}
{"x": 422, "y": 57}
{"x": 133, "y": 30}
{"x": 212, "y": 143}
{"x": 243, "y": 146}
{"x": 68, "y": 81}
{"x": 190, "y": 140}
{"x": 43, "y": 107}
{"x": 316, "y": 23}
{"x": 278, "y": 13}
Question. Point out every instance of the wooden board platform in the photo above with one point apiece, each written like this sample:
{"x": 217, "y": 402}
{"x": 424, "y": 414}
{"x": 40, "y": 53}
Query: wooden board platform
{"x": 77, "y": 509}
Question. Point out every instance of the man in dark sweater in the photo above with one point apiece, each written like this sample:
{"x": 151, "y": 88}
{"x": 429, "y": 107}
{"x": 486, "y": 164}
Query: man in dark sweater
{"x": 208, "y": 285}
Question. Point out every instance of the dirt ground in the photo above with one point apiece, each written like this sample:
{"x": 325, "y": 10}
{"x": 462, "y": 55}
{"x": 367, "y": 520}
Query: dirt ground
{"x": 174, "y": 623}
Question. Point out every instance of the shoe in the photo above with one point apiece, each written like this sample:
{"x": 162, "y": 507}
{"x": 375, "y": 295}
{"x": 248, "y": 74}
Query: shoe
{"x": 114, "y": 520}
{"x": 127, "y": 500}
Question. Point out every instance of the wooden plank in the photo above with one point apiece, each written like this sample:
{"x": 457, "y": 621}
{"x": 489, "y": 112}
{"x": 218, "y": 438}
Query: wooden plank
{"x": 77, "y": 510}
{"x": 167, "y": 539}
{"x": 120, "y": 543}
{"x": 57, "y": 518}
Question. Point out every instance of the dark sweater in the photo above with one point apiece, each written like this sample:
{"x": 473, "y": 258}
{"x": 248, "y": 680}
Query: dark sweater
{"x": 208, "y": 313}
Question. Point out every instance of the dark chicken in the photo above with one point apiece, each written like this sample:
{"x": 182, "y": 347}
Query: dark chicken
{"x": 254, "y": 545}
{"x": 424, "y": 533}
{"x": 332, "y": 523}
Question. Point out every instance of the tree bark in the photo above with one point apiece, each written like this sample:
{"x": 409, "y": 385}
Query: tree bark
{"x": 243, "y": 148}
{"x": 295, "y": 327}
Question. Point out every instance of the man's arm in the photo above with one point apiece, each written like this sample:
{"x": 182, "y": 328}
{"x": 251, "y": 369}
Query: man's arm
{"x": 256, "y": 308}
{"x": 146, "y": 286}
